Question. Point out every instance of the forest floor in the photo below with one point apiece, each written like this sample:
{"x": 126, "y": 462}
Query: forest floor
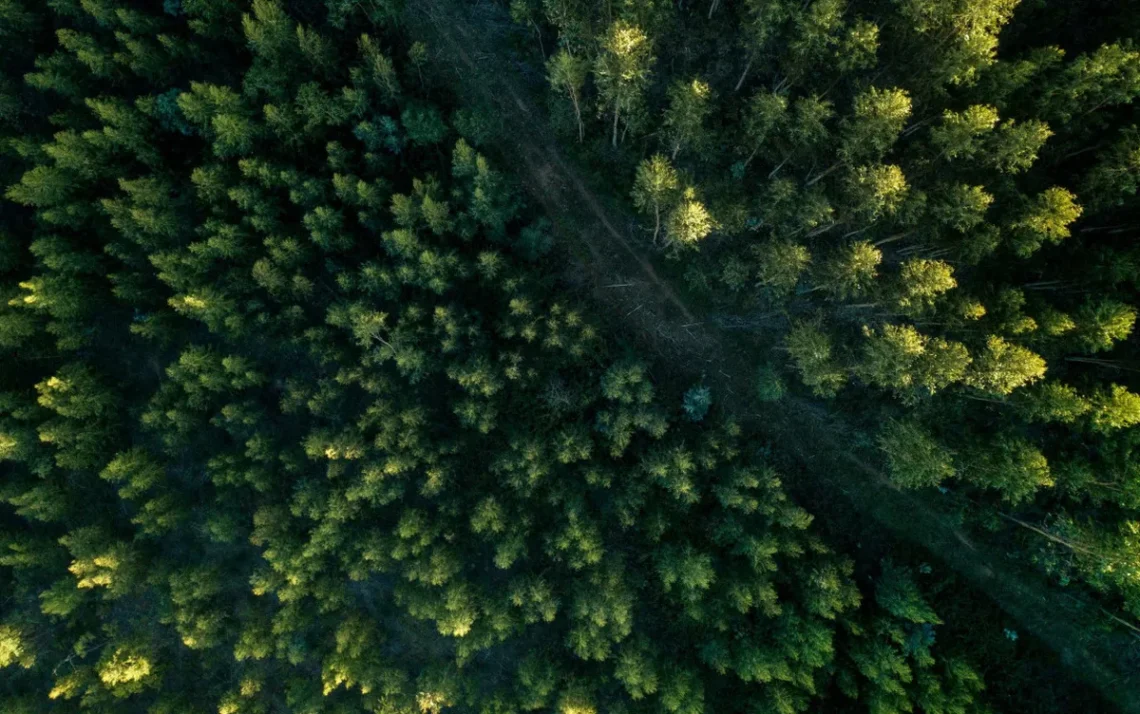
{"x": 838, "y": 481}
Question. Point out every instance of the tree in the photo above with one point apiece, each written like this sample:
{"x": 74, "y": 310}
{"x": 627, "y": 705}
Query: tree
{"x": 567, "y": 74}
{"x": 779, "y": 265}
{"x": 76, "y": 392}
{"x": 1014, "y": 146}
{"x": 898, "y": 357}
{"x": 636, "y": 668}
{"x": 1011, "y": 466}
{"x": 219, "y": 114}
{"x": 850, "y": 271}
{"x": 897, "y": 593}
{"x": 378, "y": 69}
{"x": 890, "y": 356}
{"x": 769, "y": 385}
{"x": 682, "y": 692}
{"x": 956, "y": 39}
{"x": 99, "y": 561}
{"x": 762, "y": 21}
{"x": 136, "y": 471}
{"x": 601, "y": 612}
{"x": 689, "y": 222}
{"x": 1003, "y": 367}
{"x": 1115, "y": 408}
{"x": 811, "y": 351}
{"x": 765, "y": 117}
{"x": 622, "y": 71}
{"x": 961, "y": 207}
{"x": 914, "y": 458}
{"x": 859, "y": 47}
{"x": 1116, "y": 176}
{"x": 696, "y": 403}
{"x": 961, "y": 135}
{"x": 1107, "y": 76}
{"x": 127, "y": 670}
{"x": 14, "y": 648}
{"x": 690, "y": 104}
{"x": 1053, "y": 402}
{"x": 807, "y": 128}
{"x": 1101, "y": 323}
{"x": 424, "y": 125}
{"x": 922, "y": 282}
{"x": 654, "y": 188}
{"x": 84, "y": 404}
{"x": 876, "y": 191}
{"x": 877, "y": 120}
{"x": 685, "y": 572}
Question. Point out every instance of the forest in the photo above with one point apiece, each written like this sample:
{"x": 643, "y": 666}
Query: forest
{"x": 313, "y": 402}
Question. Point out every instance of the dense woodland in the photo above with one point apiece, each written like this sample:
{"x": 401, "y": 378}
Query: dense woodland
{"x": 296, "y": 416}
{"x": 930, "y": 209}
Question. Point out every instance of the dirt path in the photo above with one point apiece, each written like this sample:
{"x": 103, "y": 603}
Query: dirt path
{"x": 640, "y": 303}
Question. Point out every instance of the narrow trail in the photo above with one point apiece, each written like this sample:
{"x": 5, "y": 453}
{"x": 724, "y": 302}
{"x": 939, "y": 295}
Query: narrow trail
{"x": 643, "y": 305}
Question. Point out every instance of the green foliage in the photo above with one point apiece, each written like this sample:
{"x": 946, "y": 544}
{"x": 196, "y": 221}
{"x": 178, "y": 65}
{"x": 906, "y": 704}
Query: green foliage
{"x": 811, "y": 351}
{"x": 914, "y": 458}
{"x": 769, "y": 384}
{"x": 877, "y": 120}
{"x": 780, "y": 264}
{"x": 296, "y": 418}
{"x": 876, "y": 191}
{"x": 654, "y": 189}
{"x": 922, "y": 282}
{"x": 14, "y": 649}
{"x": 1046, "y": 221}
{"x": 1012, "y": 466}
{"x": 897, "y": 593}
{"x": 968, "y": 167}
{"x": 690, "y": 104}
{"x": 567, "y": 75}
{"x": 850, "y": 271}
{"x": 697, "y": 402}
{"x": 1002, "y": 367}
{"x": 424, "y": 125}
{"x": 688, "y": 222}
{"x": 622, "y": 71}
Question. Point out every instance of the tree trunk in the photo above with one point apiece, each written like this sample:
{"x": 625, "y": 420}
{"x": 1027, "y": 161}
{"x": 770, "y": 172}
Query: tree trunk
{"x": 817, "y": 179}
{"x": 712, "y": 7}
{"x": 822, "y": 230}
{"x": 915, "y": 127}
{"x": 751, "y": 156}
{"x": 1085, "y": 150}
{"x": 578, "y": 116}
{"x": 538, "y": 33}
{"x": 1111, "y": 364}
{"x": 1050, "y": 536}
{"x": 825, "y": 229}
{"x": 616, "y": 110}
{"x": 657, "y": 227}
{"x": 740, "y": 82}
{"x": 889, "y": 239}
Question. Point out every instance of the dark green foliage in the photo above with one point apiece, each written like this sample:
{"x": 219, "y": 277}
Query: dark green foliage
{"x": 939, "y": 195}
{"x": 294, "y": 422}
